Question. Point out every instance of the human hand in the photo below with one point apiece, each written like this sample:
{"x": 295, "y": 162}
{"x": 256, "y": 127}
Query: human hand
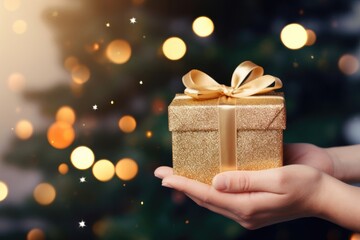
{"x": 255, "y": 198}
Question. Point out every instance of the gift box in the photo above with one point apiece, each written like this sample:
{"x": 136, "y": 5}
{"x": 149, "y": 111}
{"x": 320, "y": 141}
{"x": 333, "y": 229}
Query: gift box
{"x": 217, "y": 128}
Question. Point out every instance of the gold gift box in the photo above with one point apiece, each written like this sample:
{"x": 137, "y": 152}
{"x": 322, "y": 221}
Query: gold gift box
{"x": 259, "y": 124}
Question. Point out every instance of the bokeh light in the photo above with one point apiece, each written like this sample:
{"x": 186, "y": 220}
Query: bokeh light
{"x": 60, "y": 135}
{"x": 35, "y": 234}
{"x": 203, "y": 26}
{"x": 127, "y": 124}
{"x": 293, "y": 36}
{"x": 126, "y": 169}
{"x": 80, "y": 74}
{"x": 24, "y": 129}
{"x": 71, "y": 62}
{"x": 148, "y": 134}
{"x": 44, "y": 193}
{"x": 3, "y": 191}
{"x": 348, "y": 64}
{"x": 16, "y": 82}
{"x": 355, "y": 236}
{"x": 311, "y": 37}
{"x": 82, "y": 157}
{"x": 12, "y": 5}
{"x": 158, "y": 106}
{"x": 174, "y": 48}
{"x": 118, "y": 51}
{"x": 66, "y": 114}
{"x": 19, "y": 26}
{"x": 352, "y": 129}
{"x": 103, "y": 170}
{"x": 63, "y": 168}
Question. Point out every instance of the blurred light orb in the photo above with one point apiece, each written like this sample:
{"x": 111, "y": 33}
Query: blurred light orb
{"x": 71, "y": 62}
{"x": 80, "y": 74}
{"x": 126, "y": 169}
{"x": 355, "y": 236}
{"x": 35, "y": 234}
{"x": 158, "y": 106}
{"x": 293, "y": 36}
{"x": 24, "y": 129}
{"x": 352, "y": 129}
{"x": 82, "y": 157}
{"x": 66, "y": 114}
{"x": 60, "y": 135}
{"x": 311, "y": 37}
{"x": 63, "y": 168}
{"x": 148, "y": 134}
{"x": 19, "y": 26}
{"x": 103, "y": 170}
{"x": 16, "y": 82}
{"x": 174, "y": 48}
{"x": 118, "y": 51}
{"x": 44, "y": 193}
{"x": 348, "y": 64}
{"x": 12, "y": 5}
{"x": 3, "y": 191}
{"x": 127, "y": 124}
{"x": 203, "y": 26}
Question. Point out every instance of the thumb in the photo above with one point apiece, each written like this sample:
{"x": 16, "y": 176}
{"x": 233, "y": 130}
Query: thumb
{"x": 248, "y": 181}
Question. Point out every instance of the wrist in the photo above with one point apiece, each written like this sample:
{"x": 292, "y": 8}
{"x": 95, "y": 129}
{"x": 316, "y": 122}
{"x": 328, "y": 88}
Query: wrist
{"x": 334, "y": 157}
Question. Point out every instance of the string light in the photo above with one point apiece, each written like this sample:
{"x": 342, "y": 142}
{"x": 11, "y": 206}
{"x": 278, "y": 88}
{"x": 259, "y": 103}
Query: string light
{"x": 174, "y": 48}
{"x": 203, "y": 26}
{"x": 294, "y": 36}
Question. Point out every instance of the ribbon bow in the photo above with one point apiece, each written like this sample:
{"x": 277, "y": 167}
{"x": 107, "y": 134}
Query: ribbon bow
{"x": 247, "y": 80}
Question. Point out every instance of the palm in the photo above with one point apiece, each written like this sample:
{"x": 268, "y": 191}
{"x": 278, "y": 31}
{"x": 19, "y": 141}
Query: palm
{"x": 308, "y": 154}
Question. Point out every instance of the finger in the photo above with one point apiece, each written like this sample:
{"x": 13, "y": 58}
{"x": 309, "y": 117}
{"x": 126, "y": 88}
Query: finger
{"x": 249, "y": 181}
{"x": 163, "y": 171}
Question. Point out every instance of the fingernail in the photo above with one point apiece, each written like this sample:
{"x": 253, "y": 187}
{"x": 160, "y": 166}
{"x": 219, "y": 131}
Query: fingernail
{"x": 166, "y": 184}
{"x": 219, "y": 182}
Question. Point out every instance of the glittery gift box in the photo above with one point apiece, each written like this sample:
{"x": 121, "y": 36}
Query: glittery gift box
{"x": 196, "y": 139}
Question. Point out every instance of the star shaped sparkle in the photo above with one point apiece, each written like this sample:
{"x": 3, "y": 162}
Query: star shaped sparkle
{"x": 95, "y": 107}
{"x": 82, "y": 179}
{"x": 82, "y": 224}
{"x": 133, "y": 20}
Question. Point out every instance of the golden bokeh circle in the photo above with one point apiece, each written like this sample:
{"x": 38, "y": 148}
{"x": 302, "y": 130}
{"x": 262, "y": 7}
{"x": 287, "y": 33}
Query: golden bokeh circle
{"x": 66, "y": 114}
{"x": 348, "y": 64}
{"x": 293, "y": 36}
{"x": 44, "y": 193}
{"x": 127, "y": 124}
{"x": 80, "y": 74}
{"x": 311, "y": 37}
{"x": 63, "y": 168}
{"x": 71, "y": 62}
{"x": 19, "y": 26}
{"x": 203, "y": 26}
{"x": 126, "y": 169}
{"x": 60, "y": 135}
{"x": 16, "y": 82}
{"x": 3, "y": 191}
{"x": 12, "y": 5}
{"x": 118, "y": 51}
{"x": 103, "y": 170}
{"x": 24, "y": 129}
{"x": 174, "y": 48}
{"x": 82, "y": 157}
{"x": 35, "y": 234}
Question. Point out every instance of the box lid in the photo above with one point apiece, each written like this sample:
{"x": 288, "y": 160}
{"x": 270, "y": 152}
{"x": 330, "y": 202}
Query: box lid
{"x": 256, "y": 112}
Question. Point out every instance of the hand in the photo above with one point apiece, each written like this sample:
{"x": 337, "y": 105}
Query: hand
{"x": 255, "y": 198}
{"x": 310, "y": 155}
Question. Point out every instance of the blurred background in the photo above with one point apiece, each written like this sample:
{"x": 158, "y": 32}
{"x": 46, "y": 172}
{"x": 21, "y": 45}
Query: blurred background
{"x": 84, "y": 92}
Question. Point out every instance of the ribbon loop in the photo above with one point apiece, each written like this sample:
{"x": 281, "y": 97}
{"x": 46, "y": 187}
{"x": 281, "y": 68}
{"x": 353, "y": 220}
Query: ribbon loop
{"x": 247, "y": 80}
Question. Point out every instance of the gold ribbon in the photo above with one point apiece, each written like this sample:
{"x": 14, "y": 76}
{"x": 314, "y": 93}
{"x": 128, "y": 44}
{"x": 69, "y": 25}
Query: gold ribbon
{"x": 247, "y": 80}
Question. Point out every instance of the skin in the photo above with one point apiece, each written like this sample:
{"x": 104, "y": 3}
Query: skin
{"x": 312, "y": 183}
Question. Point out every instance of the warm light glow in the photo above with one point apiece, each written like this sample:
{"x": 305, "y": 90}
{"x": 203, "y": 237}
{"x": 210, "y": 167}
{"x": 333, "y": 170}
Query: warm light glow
{"x": 3, "y": 191}
{"x": 118, "y": 51}
{"x": 348, "y": 64}
{"x": 63, "y": 168}
{"x": 311, "y": 37}
{"x": 19, "y": 26}
{"x": 66, "y": 114}
{"x": 174, "y": 48}
{"x": 203, "y": 26}
{"x": 103, "y": 170}
{"x": 70, "y": 63}
{"x": 149, "y": 134}
{"x": 16, "y": 82}
{"x": 82, "y": 157}
{"x": 44, "y": 193}
{"x": 127, "y": 124}
{"x": 60, "y": 135}
{"x": 293, "y": 36}
{"x": 24, "y": 129}
{"x": 158, "y": 106}
{"x": 12, "y": 5}
{"x": 80, "y": 74}
{"x": 35, "y": 234}
{"x": 126, "y": 169}
{"x": 355, "y": 236}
